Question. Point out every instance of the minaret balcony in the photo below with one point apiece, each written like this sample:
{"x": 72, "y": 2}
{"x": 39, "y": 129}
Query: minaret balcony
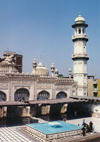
{"x": 78, "y": 56}
{"x": 80, "y": 36}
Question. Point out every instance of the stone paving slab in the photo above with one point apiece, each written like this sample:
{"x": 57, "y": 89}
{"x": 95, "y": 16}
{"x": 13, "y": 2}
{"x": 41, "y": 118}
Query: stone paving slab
{"x": 13, "y": 134}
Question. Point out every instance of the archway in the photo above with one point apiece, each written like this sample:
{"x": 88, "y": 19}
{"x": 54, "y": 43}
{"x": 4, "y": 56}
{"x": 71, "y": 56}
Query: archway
{"x": 2, "y": 96}
{"x": 21, "y": 94}
{"x": 43, "y": 95}
{"x": 61, "y": 95}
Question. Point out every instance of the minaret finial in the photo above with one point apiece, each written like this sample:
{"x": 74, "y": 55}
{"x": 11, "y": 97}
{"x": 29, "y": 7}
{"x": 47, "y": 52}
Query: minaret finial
{"x": 79, "y": 13}
{"x": 40, "y": 58}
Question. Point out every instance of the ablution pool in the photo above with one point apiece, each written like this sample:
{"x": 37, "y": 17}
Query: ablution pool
{"x": 53, "y": 130}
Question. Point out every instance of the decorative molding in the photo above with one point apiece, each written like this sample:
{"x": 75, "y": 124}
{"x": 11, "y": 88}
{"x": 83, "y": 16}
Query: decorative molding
{"x": 20, "y": 86}
{"x": 3, "y": 85}
{"x": 62, "y": 87}
{"x": 43, "y": 85}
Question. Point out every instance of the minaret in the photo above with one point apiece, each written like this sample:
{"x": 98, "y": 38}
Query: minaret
{"x": 56, "y": 72}
{"x": 80, "y": 57}
{"x": 69, "y": 72}
{"x": 34, "y": 66}
{"x": 52, "y": 69}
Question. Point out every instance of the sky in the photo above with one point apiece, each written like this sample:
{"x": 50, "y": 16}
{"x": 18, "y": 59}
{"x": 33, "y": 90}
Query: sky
{"x": 43, "y": 27}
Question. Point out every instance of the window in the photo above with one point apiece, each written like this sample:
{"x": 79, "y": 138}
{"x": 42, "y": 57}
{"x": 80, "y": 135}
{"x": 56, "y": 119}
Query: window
{"x": 79, "y": 62}
{"x": 79, "y": 31}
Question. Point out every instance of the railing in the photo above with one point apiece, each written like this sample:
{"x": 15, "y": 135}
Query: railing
{"x": 80, "y": 36}
{"x": 80, "y": 55}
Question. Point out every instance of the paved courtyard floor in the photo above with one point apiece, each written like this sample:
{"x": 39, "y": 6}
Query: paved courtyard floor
{"x": 95, "y": 121}
{"x": 14, "y": 133}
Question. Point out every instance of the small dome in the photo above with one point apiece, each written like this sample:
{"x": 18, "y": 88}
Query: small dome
{"x": 52, "y": 66}
{"x": 41, "y": 70}
{"x": 79, "y": 19}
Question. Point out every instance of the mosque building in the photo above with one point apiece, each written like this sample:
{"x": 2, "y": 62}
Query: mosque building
{"x": 39, "y": 85}
{"x": 17, "y": 86}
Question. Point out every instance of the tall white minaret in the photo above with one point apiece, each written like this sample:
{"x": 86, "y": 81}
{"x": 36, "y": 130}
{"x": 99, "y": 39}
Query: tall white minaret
{"x": 80, "y": 57}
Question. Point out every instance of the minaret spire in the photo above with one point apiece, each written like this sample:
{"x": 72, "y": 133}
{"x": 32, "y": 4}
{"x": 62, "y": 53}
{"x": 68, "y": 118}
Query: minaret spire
{"x": 79, "y": 13}
{"x": 40, "y": 58}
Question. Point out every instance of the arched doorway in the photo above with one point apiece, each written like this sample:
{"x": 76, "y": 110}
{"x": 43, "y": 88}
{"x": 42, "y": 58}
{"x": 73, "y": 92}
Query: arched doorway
{"x": 61, "y": 95}
{"x": 2, "y": 96}
{"x": 21, "y": 94}
{"x": 43, "y": 95}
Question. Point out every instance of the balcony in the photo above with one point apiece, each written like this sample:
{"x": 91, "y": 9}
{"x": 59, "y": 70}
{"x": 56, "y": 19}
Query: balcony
{"x": 75, "y": 37}
{"x": 74, "y": 56}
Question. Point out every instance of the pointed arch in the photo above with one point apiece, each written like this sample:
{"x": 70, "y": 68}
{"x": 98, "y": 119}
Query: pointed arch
{"x": 2, "y": 96}
{"x": 21, "y": 94}
{"x": 61, "y": 95}
{"x": 43, "y": 95}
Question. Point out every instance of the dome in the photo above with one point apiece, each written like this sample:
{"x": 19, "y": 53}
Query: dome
{"x": 7, "y": 61}
{"x": 41, "y": 70}
{"x": 79, "y": 19}
{"x": 7, "y": 66}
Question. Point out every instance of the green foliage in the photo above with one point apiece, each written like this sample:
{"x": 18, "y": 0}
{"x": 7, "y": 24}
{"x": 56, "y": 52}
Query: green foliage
{"x": 60, "y": 75}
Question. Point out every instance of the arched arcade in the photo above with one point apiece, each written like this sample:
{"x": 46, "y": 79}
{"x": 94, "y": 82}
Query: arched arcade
{"x": 61, "y": 95}
{"x": 2, "y": 96}
{"x": 21, "y": 94}
{"x": 43, "y": 95}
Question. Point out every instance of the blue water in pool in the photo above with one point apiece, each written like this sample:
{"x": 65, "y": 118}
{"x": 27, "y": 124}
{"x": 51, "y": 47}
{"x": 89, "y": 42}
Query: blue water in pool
{"x": 54, "y": 127}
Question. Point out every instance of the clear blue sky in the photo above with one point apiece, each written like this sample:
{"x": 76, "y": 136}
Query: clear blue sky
{"x": 43, "y": 27}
